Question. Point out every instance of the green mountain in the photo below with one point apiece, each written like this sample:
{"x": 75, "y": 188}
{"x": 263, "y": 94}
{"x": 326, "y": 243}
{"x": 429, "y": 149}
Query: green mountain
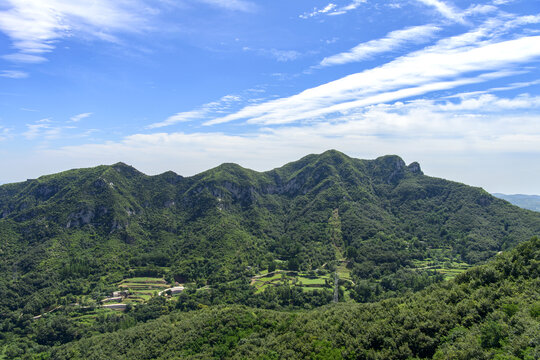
{"x": 383, "y": 226}
{"x": 531, "y": 202}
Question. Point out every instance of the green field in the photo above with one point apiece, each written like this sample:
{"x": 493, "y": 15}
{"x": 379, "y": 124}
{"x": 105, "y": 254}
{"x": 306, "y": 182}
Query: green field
{"x": 141, "y": 289}
{"x": 306, "y": 281}
{"x": 445, "y": 266}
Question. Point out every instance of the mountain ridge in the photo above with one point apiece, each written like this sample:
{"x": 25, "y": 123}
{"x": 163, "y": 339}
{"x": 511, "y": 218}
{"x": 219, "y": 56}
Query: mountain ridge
{"x": 389, "y": 215}
{"x": 384, "y": 226}
{"x": 530, "y": 202}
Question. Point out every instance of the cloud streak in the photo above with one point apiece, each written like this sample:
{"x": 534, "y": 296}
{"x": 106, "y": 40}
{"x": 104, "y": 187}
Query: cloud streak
{"x": 393, "y": 40}
{"x": 446, "y": 10}
{"x": 79, "y": 117}
{"x": 235, "y": 5}
{"x": 433, "y": 132}
{"x": 204, "y": 111}
{"x": 279, "y": 55}
{"x": 35, "y": 26}
{"x": 333, "y": 9}
{"x": 13, "y": 74}
{"x": 472, "y": 57}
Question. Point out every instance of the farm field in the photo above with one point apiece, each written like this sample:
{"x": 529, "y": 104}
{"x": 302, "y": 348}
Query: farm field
{"x": 304, "y": 280}
{"x": 141, "y": 289}
{"x": 449, "y": 269}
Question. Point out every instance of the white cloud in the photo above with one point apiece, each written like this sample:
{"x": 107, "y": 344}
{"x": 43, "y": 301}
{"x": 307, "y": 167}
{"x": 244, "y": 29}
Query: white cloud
{"x": 489, "y": 103}
{"x": 285, "y": 55}
{"x": 24, "y": 58}
{"x": 316, "y": 11}
{"x": 392, "y": 41}
{"x": 466, "y": 124}
{"x": 446, "y": 10}
{"x": 13, "y": 74}
{"x": 4, "y": 133}
{"x": 35, "y": 26}
{"x": 236, "y": 5}
{"x": 444, "y": 136}
{"x": 480, "y": 9}
{"x": 79, "y": 117}
{"x": 333, "y": 9}
{"x": 44, "y": 129}
{"x": 475, "y": 56}
{"x": 180, "y": 117}
{"x": 215, "y": 107}
{"x": 39, "y": 129}
{"x": 352, "y": 6}
{"x": 279, "y": 55}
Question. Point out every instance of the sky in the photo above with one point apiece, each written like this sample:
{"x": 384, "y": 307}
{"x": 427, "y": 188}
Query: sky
{"x": 189, "y": 84}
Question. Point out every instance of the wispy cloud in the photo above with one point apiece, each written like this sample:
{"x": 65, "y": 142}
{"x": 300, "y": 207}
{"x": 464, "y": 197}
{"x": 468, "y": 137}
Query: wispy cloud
{"x": 316, "y": 11}
{"x": 24, "y": 58}
{"x": 476, "y": 56}
{"x": 235, "y": 5}
{"x": 41, "y": 128}
{"x": 279, "y": 55}
{"x": 352, "y": 6}
{"x": 215, "y": 107}
{"x": 4, "y": 133}
{"x": 433, "y": 132}
{"x": 333, "y": 9}
{"x": 393, "y": 40}
{"x": 489, "y": 103}
{"x": 502, "y": 2}
{"x": 79, "y": 117}
{"x": 35, "y": 26}
{"x": 13, "y": 74}
{"x": 445, "y": 9}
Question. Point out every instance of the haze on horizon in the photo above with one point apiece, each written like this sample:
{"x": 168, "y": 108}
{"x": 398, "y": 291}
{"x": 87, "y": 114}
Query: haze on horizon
{"x": 186, "y": 85}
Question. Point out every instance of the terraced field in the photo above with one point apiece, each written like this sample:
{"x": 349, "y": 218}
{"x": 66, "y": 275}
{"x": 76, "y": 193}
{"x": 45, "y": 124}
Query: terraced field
{"x": 142, "y": 289}
{"x": 449, "y": 269}
{"x": 306, "y": 281}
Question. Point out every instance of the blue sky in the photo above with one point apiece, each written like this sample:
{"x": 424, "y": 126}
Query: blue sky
{"x": 186, "y": 85}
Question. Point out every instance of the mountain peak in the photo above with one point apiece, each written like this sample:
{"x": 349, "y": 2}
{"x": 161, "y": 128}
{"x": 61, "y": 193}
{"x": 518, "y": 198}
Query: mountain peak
{"x": 126, "y": 170}
{"x": 414, "y": 167}
{"x": 333, "y": 153}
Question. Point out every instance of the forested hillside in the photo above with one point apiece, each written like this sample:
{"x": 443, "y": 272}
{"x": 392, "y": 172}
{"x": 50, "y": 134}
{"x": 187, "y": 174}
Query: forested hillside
{"x": 232, "y": 235}
{"x": 488, "y": 312}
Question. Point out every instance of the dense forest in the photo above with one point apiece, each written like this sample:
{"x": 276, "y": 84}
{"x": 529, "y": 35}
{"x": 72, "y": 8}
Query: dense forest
{"x": 488, "y": 312}
{"x": 269, "y": 250}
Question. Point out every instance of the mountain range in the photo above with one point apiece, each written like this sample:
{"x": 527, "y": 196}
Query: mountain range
{"x": 531, "y": 202}
{"x": 386, "y": 227}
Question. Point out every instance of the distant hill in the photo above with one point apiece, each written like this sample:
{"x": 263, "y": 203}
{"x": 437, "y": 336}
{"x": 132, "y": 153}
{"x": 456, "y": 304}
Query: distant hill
{"x": 531, "y": 202}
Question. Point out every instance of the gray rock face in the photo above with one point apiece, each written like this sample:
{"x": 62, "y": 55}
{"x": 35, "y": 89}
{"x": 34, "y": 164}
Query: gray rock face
{"x": 414, "y": 167}
{"x": 80, "y": 218}
{"x": 44, "y": 192}
{"x": 85, "y": 216}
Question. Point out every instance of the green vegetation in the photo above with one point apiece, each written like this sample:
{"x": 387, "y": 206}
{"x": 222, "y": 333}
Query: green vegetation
{"x": 141, "y": 289}
{"x": 69, "y": 240}
{"x": 488, "y": 312}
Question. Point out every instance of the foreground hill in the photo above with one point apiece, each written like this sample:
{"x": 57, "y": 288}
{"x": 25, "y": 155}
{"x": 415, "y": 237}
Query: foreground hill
{"x": 489, "y": 312}
{"x": 530, "y": 202}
